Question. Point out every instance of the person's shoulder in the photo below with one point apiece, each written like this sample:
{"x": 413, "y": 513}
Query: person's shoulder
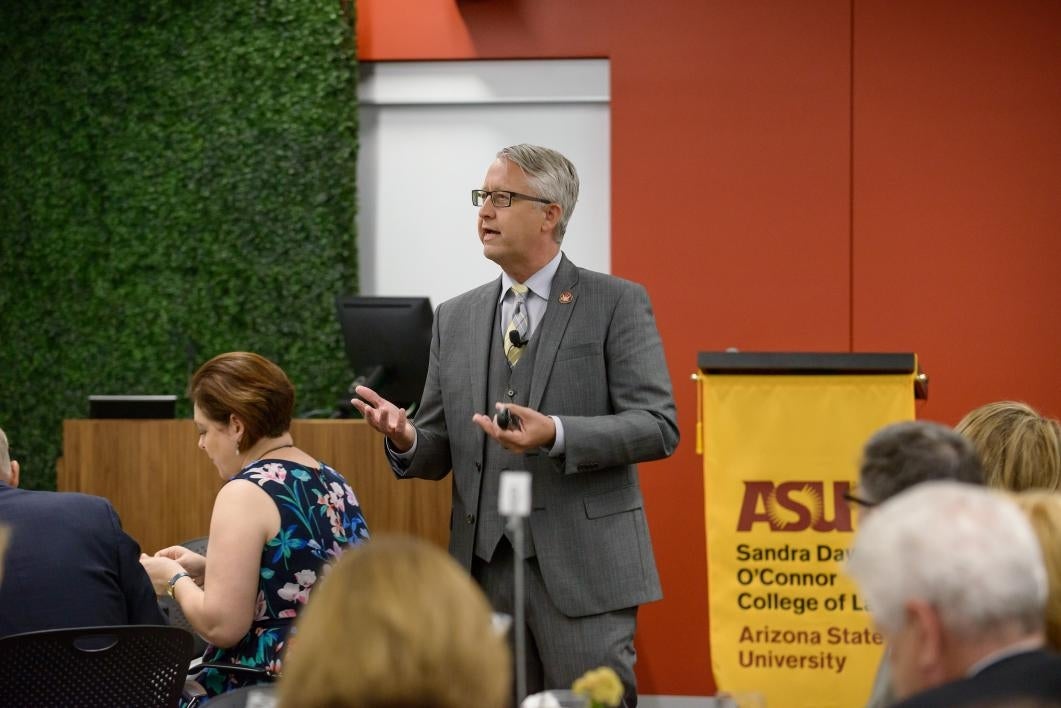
{"x": 474, "y": 295}
{"x": 594, "y": 279}
{"x": 608, "y": 288}
{"x": 468, "y": 302}
{"x": 607, "y": 280}
{"x": 1026, "y": 676}
{"x": 52, "y": 499}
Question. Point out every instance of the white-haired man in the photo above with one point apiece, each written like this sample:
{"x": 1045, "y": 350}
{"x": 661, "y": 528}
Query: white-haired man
{"x": 954, "y": 578}
{"x": 68, "y": 564}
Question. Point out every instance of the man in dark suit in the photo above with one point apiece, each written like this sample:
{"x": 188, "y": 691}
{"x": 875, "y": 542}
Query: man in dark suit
{"x": 68, "y": 564}
{"x": 575, "y": 357}
{"x": 954, "y": 578}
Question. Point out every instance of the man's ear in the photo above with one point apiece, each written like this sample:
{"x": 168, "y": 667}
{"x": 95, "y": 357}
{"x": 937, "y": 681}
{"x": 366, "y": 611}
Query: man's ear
{"x": 925, "y": 622}
{"x": 553, "y": 213}
{"x": 14, "y": 473}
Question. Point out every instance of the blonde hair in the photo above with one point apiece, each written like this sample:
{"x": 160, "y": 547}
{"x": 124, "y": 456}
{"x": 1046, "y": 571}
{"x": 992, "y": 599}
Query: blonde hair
{"x": 396, "y": 623}
{"x": 1019, "y": 448}
{"x": 1043, "y": 509}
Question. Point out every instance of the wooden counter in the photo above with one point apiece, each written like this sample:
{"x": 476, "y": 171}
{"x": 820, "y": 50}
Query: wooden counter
{"x": 163, "y": 486}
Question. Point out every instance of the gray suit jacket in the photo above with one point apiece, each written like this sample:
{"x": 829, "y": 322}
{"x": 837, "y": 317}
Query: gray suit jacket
{"x": 600, "y": 368}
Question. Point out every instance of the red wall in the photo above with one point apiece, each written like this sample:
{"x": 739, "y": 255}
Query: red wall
{"x": 830, "y": 175}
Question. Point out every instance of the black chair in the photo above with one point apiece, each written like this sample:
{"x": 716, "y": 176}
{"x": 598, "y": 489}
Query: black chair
{"x": 196, "y": 545}
{"x": 90, "y": 667}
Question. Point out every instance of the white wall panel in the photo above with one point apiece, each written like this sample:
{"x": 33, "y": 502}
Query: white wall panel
{"x": 429, "y": 130}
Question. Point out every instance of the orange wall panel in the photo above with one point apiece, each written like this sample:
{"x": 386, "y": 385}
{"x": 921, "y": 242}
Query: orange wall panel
{"x": 957, "y": 251}
{"x": 837, "y": 175}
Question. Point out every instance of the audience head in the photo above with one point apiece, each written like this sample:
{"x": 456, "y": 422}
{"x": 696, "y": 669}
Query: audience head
{"x": 951, "y": 573}
{"x": 8, "y": 467}
{"x": 242, "y": 397}
{"x": 397, "y": 623}
{"x": 1043, "y": 509}
{"x": 900, "y": 455}
{"x": 550, "y": 174}
{"x": 1019, "y": 448}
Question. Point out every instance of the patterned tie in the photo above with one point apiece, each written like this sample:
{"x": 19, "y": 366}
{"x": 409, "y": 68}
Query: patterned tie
{"x": 519, "y": 324}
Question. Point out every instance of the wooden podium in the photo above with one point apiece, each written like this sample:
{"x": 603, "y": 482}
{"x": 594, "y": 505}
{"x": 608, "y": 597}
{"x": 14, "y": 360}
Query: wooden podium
{"x": 163, "y": 486}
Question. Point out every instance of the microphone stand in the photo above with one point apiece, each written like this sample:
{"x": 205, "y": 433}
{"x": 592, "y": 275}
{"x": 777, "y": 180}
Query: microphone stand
{"x": 514, "y": 503}
{"x": 515, "y": 525}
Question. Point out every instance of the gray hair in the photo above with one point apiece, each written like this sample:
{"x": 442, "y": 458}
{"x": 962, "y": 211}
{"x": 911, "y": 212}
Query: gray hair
{"x": 550, "y": 174}
{"x": 901, "y": 455}
{"x": 968, "y": 551}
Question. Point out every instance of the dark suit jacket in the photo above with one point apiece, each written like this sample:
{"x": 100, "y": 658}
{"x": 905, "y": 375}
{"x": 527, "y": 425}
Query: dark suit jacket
{"x": 69, "y": 564}
{"x": 599, "y": 367}
{"x": 1030, "y": 678}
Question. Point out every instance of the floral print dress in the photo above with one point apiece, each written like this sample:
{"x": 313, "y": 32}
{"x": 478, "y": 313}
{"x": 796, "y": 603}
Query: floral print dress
{"x": 319, "y": 518}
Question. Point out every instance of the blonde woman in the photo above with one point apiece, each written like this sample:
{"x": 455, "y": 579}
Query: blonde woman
{"x": 397, "y": 623}
{"x": 1043, "y": 509}
{"x": 1020, "y": 449}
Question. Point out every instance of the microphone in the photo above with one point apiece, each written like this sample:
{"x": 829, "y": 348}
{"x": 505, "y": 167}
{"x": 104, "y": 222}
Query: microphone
{"x": 507, "y": 420}
{"x": 516, "y": 340}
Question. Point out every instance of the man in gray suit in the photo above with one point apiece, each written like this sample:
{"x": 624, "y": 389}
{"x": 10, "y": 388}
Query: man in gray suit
{"x": 575, "y": 357}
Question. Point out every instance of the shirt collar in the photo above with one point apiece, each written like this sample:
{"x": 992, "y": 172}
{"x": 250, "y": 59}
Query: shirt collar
{"x": 1021, "y": 647}
{"x": 540, "y": 283}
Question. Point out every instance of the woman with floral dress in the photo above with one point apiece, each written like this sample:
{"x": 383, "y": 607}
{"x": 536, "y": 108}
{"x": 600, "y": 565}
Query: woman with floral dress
{"x": 277, "y": 523}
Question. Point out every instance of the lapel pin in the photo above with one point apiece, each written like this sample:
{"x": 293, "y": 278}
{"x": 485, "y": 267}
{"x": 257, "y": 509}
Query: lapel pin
{"x": 565, "y": 298}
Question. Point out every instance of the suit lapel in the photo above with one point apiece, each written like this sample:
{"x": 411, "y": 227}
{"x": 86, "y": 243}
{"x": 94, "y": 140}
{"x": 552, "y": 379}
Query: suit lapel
{"x": 553, "y": 326}
{"x": 482, "y": 320}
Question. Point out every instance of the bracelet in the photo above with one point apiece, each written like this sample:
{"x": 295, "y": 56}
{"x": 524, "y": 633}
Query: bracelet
{"x": 173, "y": 582}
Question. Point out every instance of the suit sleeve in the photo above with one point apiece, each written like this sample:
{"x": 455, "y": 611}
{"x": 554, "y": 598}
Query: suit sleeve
{"x": 140, "y": 601}
{"x": 641, "y": 424}
{"x": 432, "y": 458}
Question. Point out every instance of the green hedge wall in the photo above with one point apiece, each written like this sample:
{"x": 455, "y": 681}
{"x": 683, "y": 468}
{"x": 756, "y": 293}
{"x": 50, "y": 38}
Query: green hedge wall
{"x": 178, "y": 181}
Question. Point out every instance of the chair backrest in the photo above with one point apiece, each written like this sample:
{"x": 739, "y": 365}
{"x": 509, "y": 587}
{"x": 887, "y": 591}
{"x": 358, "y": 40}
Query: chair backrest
{"x": 197, "y": 545}
{"x": 129, "y": 665}
{"x": 173, "y": 612}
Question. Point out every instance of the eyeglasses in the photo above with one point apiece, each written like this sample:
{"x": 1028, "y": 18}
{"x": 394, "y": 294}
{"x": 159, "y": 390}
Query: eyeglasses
{"x": 864, "y": 503}
{"x": 501, "y": 199}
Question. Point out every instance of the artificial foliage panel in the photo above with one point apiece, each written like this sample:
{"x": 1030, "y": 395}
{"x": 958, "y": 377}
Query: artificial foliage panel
{"x": 178, "y": 180}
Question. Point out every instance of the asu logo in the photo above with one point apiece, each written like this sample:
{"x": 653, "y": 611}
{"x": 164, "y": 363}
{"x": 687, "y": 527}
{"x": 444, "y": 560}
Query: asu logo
{"x": 794, "y": 506}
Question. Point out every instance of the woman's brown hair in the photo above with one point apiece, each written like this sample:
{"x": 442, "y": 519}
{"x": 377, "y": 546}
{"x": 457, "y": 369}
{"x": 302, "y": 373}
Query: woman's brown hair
{"x": 248, "y": 386}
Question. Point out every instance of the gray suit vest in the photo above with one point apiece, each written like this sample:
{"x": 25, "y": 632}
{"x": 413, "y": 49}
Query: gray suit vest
{"x": 508, "y": 385}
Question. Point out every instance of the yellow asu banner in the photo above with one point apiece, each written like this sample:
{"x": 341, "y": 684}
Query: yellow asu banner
{"x": 780, "y": 451}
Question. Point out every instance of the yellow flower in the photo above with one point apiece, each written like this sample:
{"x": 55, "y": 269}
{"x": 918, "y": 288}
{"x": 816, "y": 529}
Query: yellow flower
{"x": 602, "y": 686}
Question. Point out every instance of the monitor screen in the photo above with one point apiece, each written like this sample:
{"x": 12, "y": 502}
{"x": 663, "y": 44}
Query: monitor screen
{"x": 388, "y": 341}
{"x": 131, "y": 407}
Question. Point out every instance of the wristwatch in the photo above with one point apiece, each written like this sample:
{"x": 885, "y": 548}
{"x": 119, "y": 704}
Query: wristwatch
{"x": 173, "y": 581}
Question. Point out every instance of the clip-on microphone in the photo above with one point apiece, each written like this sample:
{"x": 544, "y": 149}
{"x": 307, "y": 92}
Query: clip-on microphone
{"x": 516, "y": 340}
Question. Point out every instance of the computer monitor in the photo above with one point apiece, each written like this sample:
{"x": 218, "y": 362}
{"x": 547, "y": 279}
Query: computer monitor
{"x": 132, "y": 407}
{"x": 388, "y": 341}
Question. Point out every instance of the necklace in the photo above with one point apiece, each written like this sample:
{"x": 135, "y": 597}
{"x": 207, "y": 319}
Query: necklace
{"x": 274, "y": 449}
